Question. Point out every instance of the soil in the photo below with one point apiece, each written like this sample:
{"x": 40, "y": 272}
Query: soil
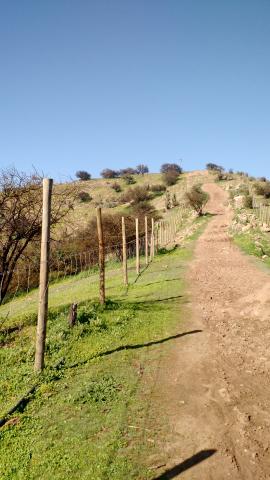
{"x": 216, "y": 390}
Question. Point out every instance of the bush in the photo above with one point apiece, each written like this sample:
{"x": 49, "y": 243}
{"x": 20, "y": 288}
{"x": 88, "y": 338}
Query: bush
{"x": 116, "y": 187}
{"x": 168, "y": 167}
{"x": 141, "y": 209}
{"x": 262, "y": 179}
{"x": 170, "y": 177}
{"x": 262, "y": 189}
{"x": 214, "y": 168}
{"x": 159, "y": 187}
{"x": 135, "y": 195}
{"x": 129, "y": 179}
{"x": 83, "y": 175}
{"x": 267, "y": 190}
{"x": 197, "y": 199}
{"x": 248, "y": 203}
{"x": 127, "y": 171}
{"x": 108, "y": 173}
{"x": 84, "y": 197}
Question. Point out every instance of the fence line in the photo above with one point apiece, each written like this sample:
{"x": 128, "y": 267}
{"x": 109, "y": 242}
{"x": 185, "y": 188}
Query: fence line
{"x": 261, "y": 211}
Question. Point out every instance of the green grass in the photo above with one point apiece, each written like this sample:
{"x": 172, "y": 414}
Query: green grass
{"x": 255, "y": 243}
{"x": 88, "y": 416}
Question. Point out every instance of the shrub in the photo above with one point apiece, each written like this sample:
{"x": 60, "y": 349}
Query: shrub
{"x": 197, "y": 199}
{"x": 248, "y": 203}
{"x": 116, "y": 187}
{"x": 159, "y": 187}
{"x": 136, "y": 194}
{"x": 127, "y": 171}
{"x": 170, "y": 177}
{"x": 84, "y": 197}
{"x": 83, "y": 175}
{"x": 129, "y": 179}
{"x": 168, "y": 167}
{"x": 262, "y": 189}
{"x": 108, "y": 173}
{"x": 214, "y": 168}
{"x": 142, "y": 209}
{"x": 267, "y": 190}
{"x": 262, "y": 179}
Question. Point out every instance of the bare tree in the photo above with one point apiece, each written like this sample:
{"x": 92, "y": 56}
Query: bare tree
{"x": 20, "y": 218}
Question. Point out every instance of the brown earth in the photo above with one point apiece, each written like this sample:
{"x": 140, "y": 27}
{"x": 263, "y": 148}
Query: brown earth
{"x": 215, "y": 384}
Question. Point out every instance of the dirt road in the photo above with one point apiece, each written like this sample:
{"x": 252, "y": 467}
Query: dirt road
{"x": 218, "y": 391}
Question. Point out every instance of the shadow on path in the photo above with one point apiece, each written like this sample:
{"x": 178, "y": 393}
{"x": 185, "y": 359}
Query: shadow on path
{"x": 133, "y": 347}
{"x": 189, "y": 463}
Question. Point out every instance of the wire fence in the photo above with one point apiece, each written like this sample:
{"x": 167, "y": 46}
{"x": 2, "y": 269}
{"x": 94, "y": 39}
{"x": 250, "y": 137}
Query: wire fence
{"x": 25, "y": 276}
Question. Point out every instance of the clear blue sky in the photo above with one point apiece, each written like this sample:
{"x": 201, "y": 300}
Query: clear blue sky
{"x": 88, "y": 84}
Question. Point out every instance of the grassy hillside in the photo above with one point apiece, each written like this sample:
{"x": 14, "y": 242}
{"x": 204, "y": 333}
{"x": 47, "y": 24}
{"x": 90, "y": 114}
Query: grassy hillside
{"x": 103, "y": 195}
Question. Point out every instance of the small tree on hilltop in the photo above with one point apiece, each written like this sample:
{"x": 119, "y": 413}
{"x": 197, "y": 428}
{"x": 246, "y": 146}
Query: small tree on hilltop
{"x": 108, "y": 173}
{"x": 142, "y": 169}
{"x": 197, "y": 199}
{"x": 169, "y": 167}
{"x": 212, "y": 167}
{"x": 83, "y": 175}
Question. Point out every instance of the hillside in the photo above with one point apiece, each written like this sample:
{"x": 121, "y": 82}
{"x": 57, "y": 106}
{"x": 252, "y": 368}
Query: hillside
{"x": 172, "y": 372}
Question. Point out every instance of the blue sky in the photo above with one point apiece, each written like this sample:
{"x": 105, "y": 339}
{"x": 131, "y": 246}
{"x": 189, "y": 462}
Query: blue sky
{"x": 89, "y": 84}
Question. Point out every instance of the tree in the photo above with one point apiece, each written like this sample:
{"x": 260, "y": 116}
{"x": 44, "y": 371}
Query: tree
{"x": 214, "y": 168}
{"x": 168, "y": 167}
{"x": 127, "y": 171}
{"x": 142, "y": 169}
{"x": 83, "y": 175}
{"x": 108, "y": 173}
{"x": 197, "y": 199}
{"x": 21, "y": 218}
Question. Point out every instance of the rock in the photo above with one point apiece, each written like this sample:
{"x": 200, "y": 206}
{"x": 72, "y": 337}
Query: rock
{"x": 239, "y": 201}
{"x": 265, "y": 227}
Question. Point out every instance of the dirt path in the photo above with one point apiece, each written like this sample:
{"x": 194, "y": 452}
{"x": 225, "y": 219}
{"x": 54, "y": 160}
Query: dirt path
{"x": 217, "y": 393}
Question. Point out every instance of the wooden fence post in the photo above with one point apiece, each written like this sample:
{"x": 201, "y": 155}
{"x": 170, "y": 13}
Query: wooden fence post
{"x": 101, "y": 257}
{"x": 137, "y": 247}
{"x": 124, "y": 243}
{"x": 73, "y": 314}
{"x": 152, "y": 240}
{"x": 146, "y": 239}
{"x": 43, "y": 275}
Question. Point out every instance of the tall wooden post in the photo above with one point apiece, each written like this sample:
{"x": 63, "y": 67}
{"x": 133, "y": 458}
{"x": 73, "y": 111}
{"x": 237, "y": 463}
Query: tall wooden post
{"x": 152, "y": 239}
{"x": 137, "y": 247}
{"x": 43, "y": 275}
{"x": 101, "y": 257}
{"x": 146, "y": 239}
{"x": 124, "y": 243}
